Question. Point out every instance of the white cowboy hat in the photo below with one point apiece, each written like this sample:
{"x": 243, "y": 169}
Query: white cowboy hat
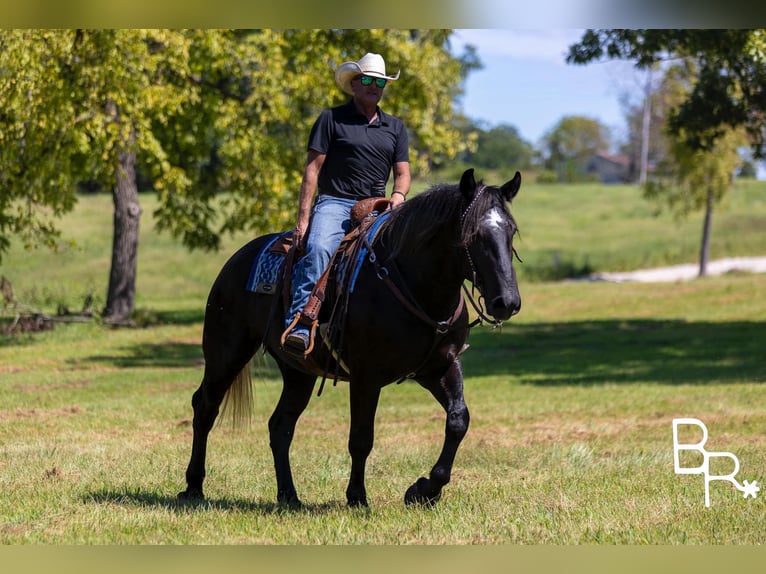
{"x": 370, "y": 64}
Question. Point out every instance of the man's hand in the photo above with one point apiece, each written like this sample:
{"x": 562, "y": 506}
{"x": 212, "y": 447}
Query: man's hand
{"x": 299, "y": 235}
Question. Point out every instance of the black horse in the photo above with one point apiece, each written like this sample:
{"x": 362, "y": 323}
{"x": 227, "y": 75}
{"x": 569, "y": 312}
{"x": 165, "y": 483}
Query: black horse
{"x": 405, "y": 319}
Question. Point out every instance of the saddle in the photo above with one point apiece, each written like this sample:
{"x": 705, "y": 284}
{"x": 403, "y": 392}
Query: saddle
{"x": 363, "y": 214}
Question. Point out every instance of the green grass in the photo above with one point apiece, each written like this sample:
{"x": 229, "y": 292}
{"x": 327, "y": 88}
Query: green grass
{"x": 571, "y": 409}
{"x": 566, "y": 229}
{"x": 569, "y": 441}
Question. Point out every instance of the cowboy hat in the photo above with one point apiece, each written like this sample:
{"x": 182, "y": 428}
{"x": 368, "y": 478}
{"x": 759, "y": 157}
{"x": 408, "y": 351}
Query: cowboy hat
{"x": 370, "y": 65}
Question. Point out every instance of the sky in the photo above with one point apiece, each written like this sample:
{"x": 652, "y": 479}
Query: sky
{"x": 526, "y": 82}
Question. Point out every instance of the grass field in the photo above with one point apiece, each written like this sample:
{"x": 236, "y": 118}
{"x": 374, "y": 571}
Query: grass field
{"x": 571, "y": 402}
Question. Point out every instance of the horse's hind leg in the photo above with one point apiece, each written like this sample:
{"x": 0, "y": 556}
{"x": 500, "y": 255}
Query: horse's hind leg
{"x": 449, "y": 392}
{"x": 206, "y": 402}
{"x": 224, "y": 359}
{"x": 296, "y": 393}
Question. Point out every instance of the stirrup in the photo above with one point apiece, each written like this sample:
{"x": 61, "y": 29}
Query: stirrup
{"x": 292, "y": 347}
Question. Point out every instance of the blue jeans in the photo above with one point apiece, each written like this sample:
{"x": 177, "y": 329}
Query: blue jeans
{"x": 330, "y": 221}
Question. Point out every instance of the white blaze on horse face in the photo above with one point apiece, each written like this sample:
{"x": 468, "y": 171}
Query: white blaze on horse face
{"x": 494, "y": 218}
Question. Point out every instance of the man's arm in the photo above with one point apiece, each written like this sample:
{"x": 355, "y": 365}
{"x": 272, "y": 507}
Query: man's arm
{"x": 314, "y": 162}
{"x": 402, "y": 180}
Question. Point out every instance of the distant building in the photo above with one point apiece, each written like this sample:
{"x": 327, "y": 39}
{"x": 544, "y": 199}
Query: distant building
{"x": 610, "y": 168}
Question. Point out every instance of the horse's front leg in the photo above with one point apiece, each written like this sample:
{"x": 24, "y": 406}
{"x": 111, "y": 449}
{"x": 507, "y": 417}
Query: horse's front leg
{"x": 449, "y": 392}
{"x": 364, "y": 404}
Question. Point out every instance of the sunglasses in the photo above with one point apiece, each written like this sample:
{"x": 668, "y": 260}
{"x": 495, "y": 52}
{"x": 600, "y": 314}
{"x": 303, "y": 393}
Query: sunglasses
{"x": 367, "y": 80}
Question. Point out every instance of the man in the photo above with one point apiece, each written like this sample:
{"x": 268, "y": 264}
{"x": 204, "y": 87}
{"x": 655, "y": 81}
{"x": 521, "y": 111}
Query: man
{"x": 352, "y": 150}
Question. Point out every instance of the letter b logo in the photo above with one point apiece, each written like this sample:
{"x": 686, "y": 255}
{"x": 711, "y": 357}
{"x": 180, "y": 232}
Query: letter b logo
{"x": 704, "y": 468}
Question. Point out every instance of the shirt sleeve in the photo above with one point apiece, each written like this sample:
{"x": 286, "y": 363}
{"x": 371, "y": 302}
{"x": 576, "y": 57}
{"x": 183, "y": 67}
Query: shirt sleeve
{"x": 402, "y": 149}
{"x": 321, "y": 133}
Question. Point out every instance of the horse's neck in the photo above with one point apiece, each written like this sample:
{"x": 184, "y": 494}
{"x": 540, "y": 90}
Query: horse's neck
{"x": 433, "y": 275}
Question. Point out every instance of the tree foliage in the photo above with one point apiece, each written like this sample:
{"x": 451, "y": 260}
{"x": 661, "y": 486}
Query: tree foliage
{"x": 571, "y": 143}
{"x": 204, "y": 111}
{"x": 685, "y": 176}
{"x": 730, "y": 91}
{"x": 500, "y": 147}
{"x": 35, "y": 138}
{"x": 688, "y": 178}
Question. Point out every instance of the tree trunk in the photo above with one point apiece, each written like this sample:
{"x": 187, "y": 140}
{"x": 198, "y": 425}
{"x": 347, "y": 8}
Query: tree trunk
{"x": 706, "y": 226}
{"x": 645, "y": 124}
{"x": 121, "y": 294}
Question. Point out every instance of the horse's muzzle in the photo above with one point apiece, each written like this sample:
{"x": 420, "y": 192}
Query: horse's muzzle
{"x": 504, "y": 306}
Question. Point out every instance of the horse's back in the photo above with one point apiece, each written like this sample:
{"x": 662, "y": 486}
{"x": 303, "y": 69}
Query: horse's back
{"x": 230, "y": 304}
{"x": 238, "y": 266}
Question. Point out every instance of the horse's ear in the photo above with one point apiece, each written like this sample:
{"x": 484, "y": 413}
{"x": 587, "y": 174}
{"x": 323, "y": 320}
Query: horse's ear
{"x": 468, "y": 183}
{"x": 511, "y": 188}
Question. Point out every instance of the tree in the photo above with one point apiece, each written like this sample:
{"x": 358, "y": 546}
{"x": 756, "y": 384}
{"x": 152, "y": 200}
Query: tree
{"x": 86, "y": 104}
{"x": 571, "y": 143}
{"x": 644, "y": 142}
{"x": 35, "y": 122}
{"x": 731, "y": 87}
{"x": 688, "y": 179}
{"x": 199, "y": 112}
{"x": 714, "y": 96}
{"x": 500, "y": 147}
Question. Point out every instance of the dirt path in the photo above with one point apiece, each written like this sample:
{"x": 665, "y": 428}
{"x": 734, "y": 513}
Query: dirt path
{"x": 684, "y": 272}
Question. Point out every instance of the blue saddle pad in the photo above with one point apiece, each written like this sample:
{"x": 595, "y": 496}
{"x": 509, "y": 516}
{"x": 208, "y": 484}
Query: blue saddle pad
{"x": 263, "y": 273}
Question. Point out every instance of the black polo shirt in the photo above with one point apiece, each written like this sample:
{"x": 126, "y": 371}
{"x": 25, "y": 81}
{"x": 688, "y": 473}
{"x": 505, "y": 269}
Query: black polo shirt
{"x": 360, "y": 155}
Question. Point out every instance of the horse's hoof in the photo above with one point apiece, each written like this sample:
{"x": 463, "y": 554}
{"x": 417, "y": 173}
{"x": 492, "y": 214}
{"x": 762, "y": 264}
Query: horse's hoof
{"x": 358, "y": 502}
{"x": 416, "y": 494}
{"x": 291, "y": 502}
{"x": 191, "y": 495}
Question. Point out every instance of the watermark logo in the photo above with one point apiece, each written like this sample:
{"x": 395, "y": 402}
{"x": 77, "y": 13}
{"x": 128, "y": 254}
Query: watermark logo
{"x": 747, "y": 488}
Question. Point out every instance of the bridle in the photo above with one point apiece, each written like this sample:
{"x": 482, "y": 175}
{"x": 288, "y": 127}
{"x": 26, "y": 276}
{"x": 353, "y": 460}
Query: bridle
{"x": 474, "y": 275}
{"x": 402, "y": 293}
{"x": 409, "y": 302}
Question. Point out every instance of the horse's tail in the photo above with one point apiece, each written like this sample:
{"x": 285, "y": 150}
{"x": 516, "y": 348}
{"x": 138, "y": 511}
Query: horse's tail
{"x": 239, "y": 399}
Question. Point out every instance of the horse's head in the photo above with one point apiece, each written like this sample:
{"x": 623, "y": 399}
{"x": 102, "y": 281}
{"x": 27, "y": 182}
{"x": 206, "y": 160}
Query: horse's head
{"x": 488, "y": 231}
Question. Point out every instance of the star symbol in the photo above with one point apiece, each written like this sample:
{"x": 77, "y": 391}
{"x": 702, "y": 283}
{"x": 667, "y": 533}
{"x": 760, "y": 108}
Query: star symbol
{"x": 750, "y": 489}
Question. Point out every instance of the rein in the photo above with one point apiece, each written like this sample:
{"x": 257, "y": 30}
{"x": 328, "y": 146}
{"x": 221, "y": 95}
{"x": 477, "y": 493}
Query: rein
{"x": 440, "y": 327}
{"x": 409, "y": 302}
{"x": 483, "y": 317}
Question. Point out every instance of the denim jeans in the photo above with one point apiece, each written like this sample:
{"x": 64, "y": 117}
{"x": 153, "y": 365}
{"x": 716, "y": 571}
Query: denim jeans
{"x": 330, "y": 221}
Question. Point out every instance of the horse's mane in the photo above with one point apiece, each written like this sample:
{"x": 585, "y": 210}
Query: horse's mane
{"x": 416, "y": 221}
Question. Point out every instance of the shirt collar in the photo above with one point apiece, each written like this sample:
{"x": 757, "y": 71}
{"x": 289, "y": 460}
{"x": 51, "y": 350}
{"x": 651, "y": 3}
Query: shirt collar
{"x": 382, "y": 118}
